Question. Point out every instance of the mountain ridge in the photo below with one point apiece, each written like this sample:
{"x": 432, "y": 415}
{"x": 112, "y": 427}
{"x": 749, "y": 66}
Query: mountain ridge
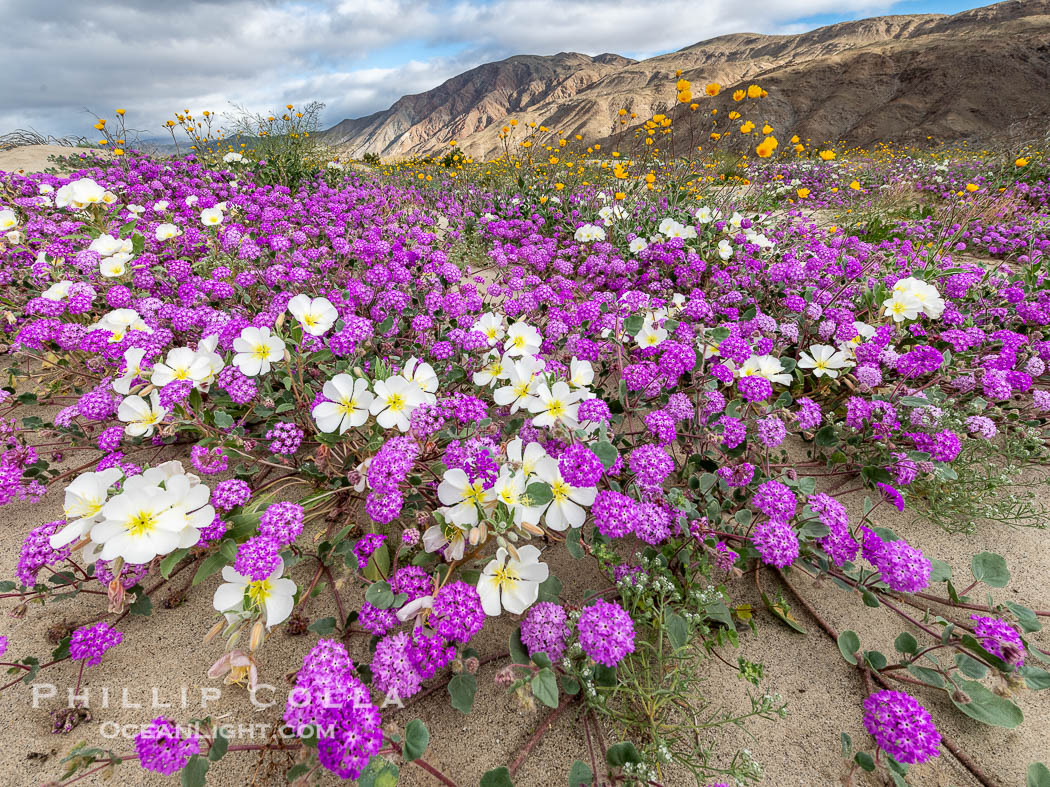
{"x": 900, "y": 78}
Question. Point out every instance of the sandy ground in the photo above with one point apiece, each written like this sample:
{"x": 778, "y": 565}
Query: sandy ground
{"x": 164, "y": 654}
{"x": 34, "y": 158}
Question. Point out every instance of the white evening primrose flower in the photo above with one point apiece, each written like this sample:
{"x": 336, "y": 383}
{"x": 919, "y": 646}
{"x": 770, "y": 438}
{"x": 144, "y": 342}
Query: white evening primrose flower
{"x": 132, "y": 370}
{"x": 112, "y": 267}
{"x": 902, "y": 306}
{"x": 705, "y": 215}
{"x": 109, "y": 198}
{"x": 256, "y": 349}
{"x": 447, "y": 536}
{"x": 492, "y": 326}
{"x": 181, "y": 363}
{"x": 211, "y": 217}
{"x": 587, "y": 233}
{"x": 527, "y": 457}
{"x": 45, "y": 188}
{"x": 567, "y": 509}
{"x": 824, "y": 359}
{"x": 136, "y": 210}
{"x": 581, "y": 373}
{"x": 8, "y": 220}
{"x": 191, "y": 200}
{"x": 160, "y": 206}
{"x": 347, "y": 405}
{"x": 239, "y": 596}
{"x": 316, "y": 315}
{"x": 139, "y": 525}
{"x": 424, "y": 376}
{"x": 395, "y": 399}
{"x": 80, "y": 194}
{"x": 206, "y": 350}
{"x": 725, "y": 249}
{"x": 637, "y": 246}
{"x": 462, "y": 498}
{"x": 83, "y": 503}
{"x": 522, "y": 380}
{"x": 106, "y": 245}
{"x": 118, "y": 322}
{"x": 650, "y": 335}
{"x": 58, "y": 291}
{"x": 522, "y": 339}
{"x": 926, "y": 294}
{"x": 735, "y": 220}
{"x": 141, "y": 415}
{"x": 556, "y": 404}
{"x": 512, "y": 583}
{"x": 234, "y": 158}
{"x": 495, "y": 368}
{"x": 509, "y": 489}
{"x": 166, "y": 232}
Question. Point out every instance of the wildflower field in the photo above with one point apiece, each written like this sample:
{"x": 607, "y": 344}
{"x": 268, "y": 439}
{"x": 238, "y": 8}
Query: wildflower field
{"x": 554, "y": 438}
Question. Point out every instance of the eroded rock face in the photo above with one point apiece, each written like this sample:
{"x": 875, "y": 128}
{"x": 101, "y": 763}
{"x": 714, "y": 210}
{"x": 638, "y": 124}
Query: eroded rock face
{"x": 976, "y": 75}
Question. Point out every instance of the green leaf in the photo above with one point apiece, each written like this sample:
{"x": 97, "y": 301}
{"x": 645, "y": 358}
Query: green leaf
{"x": 518, "y": 653}
{"x": 990, "y": 568}
{"x": 1038, "y": 775}
{"x": 569, "y": 685}
{"x": 497, "y": 777}
{"x": 1036, "y": 678}
{"x": 223, "y": 419}
{"x": 541, "y": 659}
{"x": 142, "y": 606}
{"x": 677, "y": 629}
{"x": 194, "y": 771}
{"x": 782, "y": 611}
{"x": 986, "y": 706}
{"x": 864, "y": 760}
{"x": 324, "y": 626}
{"x": 927, "y": 675}
{"x": 550, "y": 589}
{"x": 870, "y": 599}
{"x": 847, "y": 744}
{"x": 581, "y": 775}
{"x": 545, "y": 687}
{"x": 1025, "y": 617}
{"x": 906, "y": 643}
{"x": 378, "y": 564}
{"x": 826, "y": 437}
{"x": 417, "y": 737}
{"x": 940, "y": 571}
{"x": 875, "y": 658}
{"x": 462, "y": 689}
{"x": 380, "y": 595}
{"x": 298, "y": 770}
{"x": 606, "y": 452}
{"x": 572, "y": 542}
{"x": 619, "y": 754}
{"x": 219, "y": 744}
{"x": 379, "y": 773}
{"x": 970, "y": 666}
{"x": 539, "y": 493}
{"x": 849, "y": 644}
{"x": 226, "y": 554}
{"x": 167, "y": 565}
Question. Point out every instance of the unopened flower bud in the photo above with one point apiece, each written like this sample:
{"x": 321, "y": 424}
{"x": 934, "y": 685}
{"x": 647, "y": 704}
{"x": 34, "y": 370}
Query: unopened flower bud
{"x": 215, "y": 631}
{"x": 472, "y": 664}
{"x": 258, "y": 636}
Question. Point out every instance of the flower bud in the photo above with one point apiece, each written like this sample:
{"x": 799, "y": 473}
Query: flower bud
{"x": 215, "y": 631}
{"x": 258, "y": 636}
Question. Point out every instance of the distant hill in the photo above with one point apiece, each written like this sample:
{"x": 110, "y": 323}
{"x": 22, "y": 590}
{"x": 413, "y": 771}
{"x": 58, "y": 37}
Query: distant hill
{"x": 977, "y": 75}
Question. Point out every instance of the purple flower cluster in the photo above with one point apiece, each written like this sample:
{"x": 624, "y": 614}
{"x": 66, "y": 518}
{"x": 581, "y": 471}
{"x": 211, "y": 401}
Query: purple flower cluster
{"x": 545, "y": 629}
{"x": 902, "y": 567}
{"x": 285, "y": 438}
{"x": 257, "y": 558}
{"x": 999, "y": 637}
{"x": 165, "y": 748}
{"x": 457, "y": 614}
{"x": 606, "y": 632}
{"x": 282, "y": 522}
{"x": 329, "y": 698}
{"x": 901, "y": 727}
{"x": 88, "y": 643}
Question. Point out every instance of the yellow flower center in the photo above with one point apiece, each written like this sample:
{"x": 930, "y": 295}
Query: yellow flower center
{"x": 396, "y": 402}
{"x": 505, "y": 575}
{"x": 346, "y": 407}
{"x": 260, "y": 351}
{"x": 310, "y": 320}
{"x": 474, "y": 493}
{"x": 259, "y": 591}
{"x": 561, "y": 491}
{"x": 556, "y": 408}
{"x": 142, "y": 523}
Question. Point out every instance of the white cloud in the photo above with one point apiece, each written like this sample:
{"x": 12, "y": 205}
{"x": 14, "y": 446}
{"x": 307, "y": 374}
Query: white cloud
{"x": 155, "y": 57}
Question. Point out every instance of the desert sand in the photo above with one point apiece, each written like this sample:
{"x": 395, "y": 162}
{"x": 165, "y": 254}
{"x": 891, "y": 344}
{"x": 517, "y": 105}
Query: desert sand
{"x": 34, "y": 158}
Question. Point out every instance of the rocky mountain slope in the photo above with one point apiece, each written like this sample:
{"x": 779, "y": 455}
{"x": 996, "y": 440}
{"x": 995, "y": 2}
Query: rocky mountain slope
{"x": 979, "y": 75}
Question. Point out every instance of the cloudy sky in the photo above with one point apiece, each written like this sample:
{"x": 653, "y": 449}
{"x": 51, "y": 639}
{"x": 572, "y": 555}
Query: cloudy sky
{"x": 60, "y": 60}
